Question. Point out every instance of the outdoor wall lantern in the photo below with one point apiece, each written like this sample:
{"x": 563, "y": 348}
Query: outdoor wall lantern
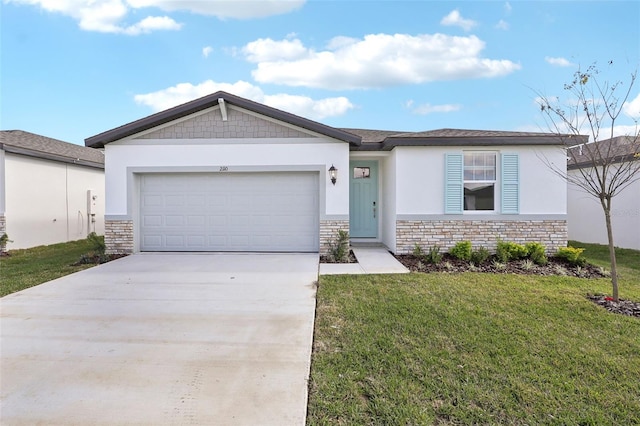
{"x": 333, "y": 174}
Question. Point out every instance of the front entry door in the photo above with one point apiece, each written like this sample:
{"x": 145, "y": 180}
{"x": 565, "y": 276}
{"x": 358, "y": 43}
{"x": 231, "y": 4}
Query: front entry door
{"x": 363, "y": 199}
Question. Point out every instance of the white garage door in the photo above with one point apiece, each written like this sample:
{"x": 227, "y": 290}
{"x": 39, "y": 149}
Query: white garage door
{"x": 229, "y": 212}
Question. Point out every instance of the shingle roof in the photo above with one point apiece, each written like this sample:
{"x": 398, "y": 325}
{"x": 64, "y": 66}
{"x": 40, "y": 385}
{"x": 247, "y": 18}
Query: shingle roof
{"x": 98, "y": 141}
{"x": 386, "y": 139}
{"x": 359, "y": 139}
{"x": 618, "y": 149}
{"x": 26, "y": 143}
{"x": 372, "y": 136}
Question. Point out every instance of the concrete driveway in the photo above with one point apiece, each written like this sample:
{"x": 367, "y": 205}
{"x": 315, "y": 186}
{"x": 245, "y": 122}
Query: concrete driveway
{"x": 198, "y": 339}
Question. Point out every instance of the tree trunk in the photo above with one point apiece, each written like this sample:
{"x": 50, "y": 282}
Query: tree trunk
{"x": 612, "y": 253}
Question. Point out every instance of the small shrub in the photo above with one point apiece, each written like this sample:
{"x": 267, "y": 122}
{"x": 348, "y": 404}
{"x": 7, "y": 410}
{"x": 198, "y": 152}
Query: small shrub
{"x": 604, "y": 272}
{"x": 528, "y": 264}
{"x": 537, "y": 253}
{"x": 507, "y": 251}
{"x": 480, "y": 256}
{"x": 4, "y": 239}
{"x": 461, "y": 251}
{"x": 97, "y": 242}
{"x": 572, "y": 255}
{"x": 448, "y": 265}
{"x": 434, "y": 256}
{"x": 339, "y": 248}
{"x": 418, "y": 251}
{"x": 499, "y": 266}
{"x": 560, "y": 270}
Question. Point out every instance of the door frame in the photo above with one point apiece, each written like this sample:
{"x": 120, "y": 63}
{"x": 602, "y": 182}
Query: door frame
{"x": 374, "y": 163}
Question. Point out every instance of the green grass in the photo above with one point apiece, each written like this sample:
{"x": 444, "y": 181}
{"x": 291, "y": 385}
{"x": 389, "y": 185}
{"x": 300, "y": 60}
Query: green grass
{"x": 474, "y": 349}
{"x": 628, "y": 262}
{"x": 29, "y": 267}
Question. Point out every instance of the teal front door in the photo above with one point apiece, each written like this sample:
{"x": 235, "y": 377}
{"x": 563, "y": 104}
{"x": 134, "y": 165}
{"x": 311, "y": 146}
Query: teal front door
{"x": 363, "y": 199}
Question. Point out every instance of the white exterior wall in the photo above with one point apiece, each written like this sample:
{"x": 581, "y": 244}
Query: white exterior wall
{"x": 389, "y": 190}
{"x": 586, "y": 217}
{"x": 420, "y": 179}
{"x": 46, "y": 201}
{"x": 125, "y": 159}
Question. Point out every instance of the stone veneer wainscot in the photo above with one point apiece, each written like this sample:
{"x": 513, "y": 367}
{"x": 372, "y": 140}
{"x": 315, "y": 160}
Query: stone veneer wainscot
{"x": 329, "y": 232}
{"x": 118, "y": 236}
{"x": 3, "y": 229}
{"x": 446, "y": 233}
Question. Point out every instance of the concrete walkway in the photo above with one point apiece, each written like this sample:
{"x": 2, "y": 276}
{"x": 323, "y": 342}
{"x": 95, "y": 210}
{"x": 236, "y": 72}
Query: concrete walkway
{"x": 159, "y": 339}
{"x": 371, "y": 260}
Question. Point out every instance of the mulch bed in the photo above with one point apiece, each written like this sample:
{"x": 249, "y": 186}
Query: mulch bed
{"x": 451, "y": 264}
{"x": 622, "y": 307}
{"x": 351, "y": 259}
{"x": 97, "y": 259}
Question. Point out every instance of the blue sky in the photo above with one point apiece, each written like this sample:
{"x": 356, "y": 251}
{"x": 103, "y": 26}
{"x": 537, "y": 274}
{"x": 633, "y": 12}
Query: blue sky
{"x": 73, "y": 68}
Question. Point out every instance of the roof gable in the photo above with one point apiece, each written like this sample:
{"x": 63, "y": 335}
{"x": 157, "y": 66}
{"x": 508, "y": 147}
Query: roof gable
{"x": 33, "y": 145}
{"x": 239, "y": 124}
{"x": 209, "y": 101}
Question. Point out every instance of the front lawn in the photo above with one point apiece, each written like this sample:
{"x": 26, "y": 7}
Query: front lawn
{"x": 29, "y": 267}
{"x": 474, "y": 348}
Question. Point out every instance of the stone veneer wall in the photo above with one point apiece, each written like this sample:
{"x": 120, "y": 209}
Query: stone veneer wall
{"x": 446, "y": 233}
{"x": 118, "y": 236}
{"x": 329, "y": 231}
{"x": 3, "y": 229}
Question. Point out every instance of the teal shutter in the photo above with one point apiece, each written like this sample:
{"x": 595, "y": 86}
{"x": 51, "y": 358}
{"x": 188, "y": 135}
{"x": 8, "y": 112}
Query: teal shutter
{"x": 510, "y": 184}
{"x": 454, "y": 189}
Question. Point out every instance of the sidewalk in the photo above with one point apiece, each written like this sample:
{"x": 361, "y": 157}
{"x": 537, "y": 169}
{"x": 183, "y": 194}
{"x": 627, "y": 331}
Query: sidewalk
{"x": 371, "y": 260}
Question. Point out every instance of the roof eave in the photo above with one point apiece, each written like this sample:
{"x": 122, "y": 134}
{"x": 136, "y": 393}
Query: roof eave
{"x": 473, "y": 141}
{"x": 48, "y": 156}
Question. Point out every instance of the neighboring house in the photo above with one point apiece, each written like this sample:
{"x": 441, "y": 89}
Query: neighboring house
{"x": 586, "y": 217}
{"x": 50, "y": 191}
{"x": 222, "y": 173}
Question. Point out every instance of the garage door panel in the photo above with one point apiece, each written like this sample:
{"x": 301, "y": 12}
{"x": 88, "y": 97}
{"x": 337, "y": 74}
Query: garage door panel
{"x": 149, "y": 221}
{"x": 230, "y": 212}
{"x": 196, "y": 242}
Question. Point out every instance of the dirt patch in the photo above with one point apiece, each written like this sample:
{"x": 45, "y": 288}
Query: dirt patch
{"x": 553, "y": 267}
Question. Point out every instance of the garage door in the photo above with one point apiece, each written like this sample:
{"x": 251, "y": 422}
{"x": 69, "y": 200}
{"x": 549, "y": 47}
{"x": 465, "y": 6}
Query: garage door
{"x": 229, "y": 212}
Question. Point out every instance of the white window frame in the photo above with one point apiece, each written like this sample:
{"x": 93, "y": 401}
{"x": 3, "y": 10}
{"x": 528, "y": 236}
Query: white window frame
{"x": 494, "y": 182}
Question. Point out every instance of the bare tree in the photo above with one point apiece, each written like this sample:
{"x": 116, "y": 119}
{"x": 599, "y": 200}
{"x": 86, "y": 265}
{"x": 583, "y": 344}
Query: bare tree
{"x": 587, "y": 121}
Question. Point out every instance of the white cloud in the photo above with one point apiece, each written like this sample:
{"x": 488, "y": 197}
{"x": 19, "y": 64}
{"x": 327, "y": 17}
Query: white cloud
{"x": 507, "y": 8}
{"x": 632, "y": 108}
{"x": 152, "y": 23}
{"x": 206, "y": 51}
{"x": 502, "y": 25}
{"x": 109, "y": 16}
{"x": 558, "y": 62}
{"x": 455, "y": 19}
{"x": 425, "y": 109}
{"x": 230, "y": 9}
{"x": 266, "y": 49}
{"x": 300, "y": 105}
{"x": 377, "y": 60}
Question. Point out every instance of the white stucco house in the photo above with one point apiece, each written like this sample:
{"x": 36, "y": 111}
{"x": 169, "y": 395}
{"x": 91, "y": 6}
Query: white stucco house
{"x": 585, "y": 215}
{"x": 50, "y": 191}
{"x": 222, "y": 173}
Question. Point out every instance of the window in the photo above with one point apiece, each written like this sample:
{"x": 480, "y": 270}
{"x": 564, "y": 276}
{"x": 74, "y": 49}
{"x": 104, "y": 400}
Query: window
{"x": 471, "y": 182}
{"x": 479, "y": 181}
{"x": 361, "y": 173}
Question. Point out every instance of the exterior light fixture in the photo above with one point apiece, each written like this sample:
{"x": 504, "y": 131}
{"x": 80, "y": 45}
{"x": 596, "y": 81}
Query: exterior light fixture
{"x": 333, "y": 174}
